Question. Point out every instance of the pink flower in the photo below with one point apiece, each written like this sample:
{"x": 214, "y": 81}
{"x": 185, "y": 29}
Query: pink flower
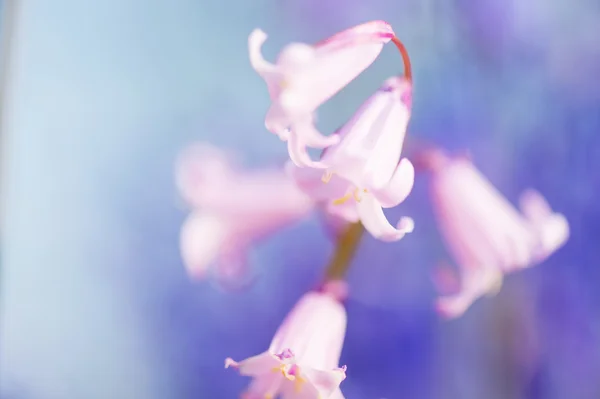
{"x": 486, "y": 235}
{"x": 233, "y": 209}
{"x": 305, "y": 76}
{"x": 364, "y": 171}
{"x": 302, "y": 360}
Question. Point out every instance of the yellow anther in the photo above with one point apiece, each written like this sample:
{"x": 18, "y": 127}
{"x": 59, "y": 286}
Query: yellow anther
{"x": 342, "y": 200}
{"x": 298, "y": 384}
{"x": 326, "y": 177}
{"x": 281, "y": 369}
{"x": 356, "y": 194}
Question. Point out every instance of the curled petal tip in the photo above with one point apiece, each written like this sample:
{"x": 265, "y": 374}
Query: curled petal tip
{"x": 449, "y": 308}
{"x": 406, "y": 224}
{"x": 299, "y": 156}
{"x": 229, "y": 362}
{"x": 257, "y": 36}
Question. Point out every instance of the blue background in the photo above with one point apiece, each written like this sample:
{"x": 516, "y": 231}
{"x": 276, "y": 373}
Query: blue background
{"x": 104, "y": 95}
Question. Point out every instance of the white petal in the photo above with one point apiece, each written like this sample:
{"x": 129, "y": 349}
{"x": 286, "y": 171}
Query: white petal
{"x": 399, "y": 186}
{"x": 299, "y": 155}
{"x": 265, "y": 69}
{"x": 534, "y": 206}
{"x": 201, "y": 238}
{"x": 372, "y": 217}
{"x": 476, "y": 282}
{"x": 553, "y": 233}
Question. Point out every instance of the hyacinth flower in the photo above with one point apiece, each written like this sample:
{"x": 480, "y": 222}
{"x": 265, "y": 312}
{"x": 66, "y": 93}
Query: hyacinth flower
{"x": 302, "y": 360}
{"x": 486, "y": 235}
{"x": 232, "y": 210}
{"x": 365, "y": 171}
{"x": 305, "y": 76}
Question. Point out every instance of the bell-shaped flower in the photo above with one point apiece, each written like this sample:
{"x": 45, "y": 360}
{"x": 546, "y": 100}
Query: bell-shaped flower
{"x": 305, "y": 76}
{"x": 232, "y": 209}
{"x": 365, "y": 172}
{"x": 302, "y": 360}
{"x": 486, "y": 235}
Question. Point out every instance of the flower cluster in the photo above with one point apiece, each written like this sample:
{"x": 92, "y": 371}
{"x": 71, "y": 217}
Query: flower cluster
{"x": 360, "y": 172}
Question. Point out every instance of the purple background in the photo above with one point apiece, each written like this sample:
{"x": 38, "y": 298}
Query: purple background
{"x": 103, "y": 96}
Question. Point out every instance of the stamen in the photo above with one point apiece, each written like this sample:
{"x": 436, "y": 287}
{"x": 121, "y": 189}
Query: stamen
{"x": 298, "y": 384}
{"x": 405, "y": 57}
{"x": 283, "y": 372}
{"x": 326, "y": 177}
{"x": 342, "y": 200}
{"x": 356, "y": 195}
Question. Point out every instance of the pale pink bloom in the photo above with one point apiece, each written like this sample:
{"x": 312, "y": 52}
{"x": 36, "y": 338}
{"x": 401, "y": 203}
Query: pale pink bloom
{"x": 305, "y": 76}
{"x": 365, "y": 171}
{"x": 232, "y": 209}
{"x": 302, "y": 360}
{"x": 486, "y": 235}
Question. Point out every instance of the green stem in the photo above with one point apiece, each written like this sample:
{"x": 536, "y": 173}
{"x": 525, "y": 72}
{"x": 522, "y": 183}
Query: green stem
{"x": 346, "y": 246}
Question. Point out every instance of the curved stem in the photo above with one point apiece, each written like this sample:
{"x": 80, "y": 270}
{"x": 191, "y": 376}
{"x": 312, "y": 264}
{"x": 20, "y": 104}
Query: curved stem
{"x": 346, "y": 246}
{"x": 405, "y": 57}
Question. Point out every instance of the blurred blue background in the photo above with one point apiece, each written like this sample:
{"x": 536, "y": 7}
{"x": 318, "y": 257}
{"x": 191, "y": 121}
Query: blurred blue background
{"x": 102, "y": 96}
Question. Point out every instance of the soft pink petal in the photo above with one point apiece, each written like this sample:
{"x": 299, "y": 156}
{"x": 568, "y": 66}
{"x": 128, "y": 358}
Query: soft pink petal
{"x": 263, "y": 199}
{"x": 200, "y": 166}
{"x": 306, "y": 129}
{"x": 339, "y": 60}
{"x": 278, "y": 121}
{"x": 534, "y": 206}
{"x": 337, "y": 394}
{"x": 477, "y": 282}
{"x": 552, "y": 228}
{"x": 552, "y": 234}
{"x": 266, "y": 70}
{"x": 399, "y": 187}
{"x": 371, "y": 141}
{"x": 479, "y": 225}
{"x": 256, "y": 365}
{"x": 375, "y": 222}
{"x": 310, "y": 181}
{"x": 202, "y": 237}
{"x": 296, "y": 56}
{"x": 314, "y": 330}
{"x": 325, "y": 382}
{"x": 347, "y": 211}
{"x": 357, "y": 33}
{"x": 316, "y": 384}
{"x": 299, "y": 155}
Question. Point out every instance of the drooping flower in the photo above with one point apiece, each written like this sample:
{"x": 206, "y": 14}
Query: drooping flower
{"x": 302, "y": 360}
{"x": 232, "y": 209}
{"x": 365, "y": 172}
{"x": 486, "y": 235}
{"x": 305, "y": 76}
